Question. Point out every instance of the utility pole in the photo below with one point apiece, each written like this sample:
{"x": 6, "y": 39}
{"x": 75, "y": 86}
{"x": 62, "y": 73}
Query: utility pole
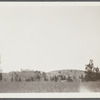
{"x": 0, "y": 59}
{"x": 0, "y": 63}
{"x": 0, "y": 69}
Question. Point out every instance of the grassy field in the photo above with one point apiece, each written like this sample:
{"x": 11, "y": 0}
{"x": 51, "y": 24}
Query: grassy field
{"x": 43, "y": 87}
{"x": 90, "y": 87}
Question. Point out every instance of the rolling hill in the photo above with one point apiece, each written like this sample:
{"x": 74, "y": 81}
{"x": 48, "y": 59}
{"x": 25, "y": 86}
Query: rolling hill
{"x": 33, "y": 75}
{"x": 66, "y": 73}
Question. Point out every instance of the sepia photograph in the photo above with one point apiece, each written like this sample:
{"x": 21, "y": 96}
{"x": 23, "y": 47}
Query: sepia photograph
{"x": 49, "y": 48}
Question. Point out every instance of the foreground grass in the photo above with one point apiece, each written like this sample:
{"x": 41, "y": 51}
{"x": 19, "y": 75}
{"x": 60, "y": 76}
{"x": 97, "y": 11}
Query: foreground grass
{"x": 24, "y": 87}
{"x": 90, "y": 87}
{"x": 43, "y": 87}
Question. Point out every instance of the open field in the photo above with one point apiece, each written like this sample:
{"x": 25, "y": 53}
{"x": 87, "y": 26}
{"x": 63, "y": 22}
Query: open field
{"x": 43, "y": 87}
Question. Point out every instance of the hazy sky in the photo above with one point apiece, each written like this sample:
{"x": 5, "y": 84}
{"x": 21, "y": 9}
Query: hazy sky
{"x": 49, "y": 38}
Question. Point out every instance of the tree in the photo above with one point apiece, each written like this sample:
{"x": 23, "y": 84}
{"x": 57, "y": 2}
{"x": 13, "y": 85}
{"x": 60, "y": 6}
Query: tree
{"x": 82, "y": 77}
{"x": 45, "y": 79}
{"x": 55, "y": 78}
{"x": 38, "y": 77}
{"x": 32, "y": 78}
{"x": 19, "y": 79}
{"x": 69, "y": 79}
{"x": 12, "y": 78}
{"x": 92, "y": 73}
{"x": 64, "y": 77}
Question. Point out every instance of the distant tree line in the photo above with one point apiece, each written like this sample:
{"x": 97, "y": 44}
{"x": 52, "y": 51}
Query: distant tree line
{"x": 91, "y": 74}
{"x": 30, "y": 76}
{"x": 38, "y": 76}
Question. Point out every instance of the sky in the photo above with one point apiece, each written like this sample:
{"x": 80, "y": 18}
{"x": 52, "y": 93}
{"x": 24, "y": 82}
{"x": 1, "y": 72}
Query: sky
{"x": 48, "y": 38}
